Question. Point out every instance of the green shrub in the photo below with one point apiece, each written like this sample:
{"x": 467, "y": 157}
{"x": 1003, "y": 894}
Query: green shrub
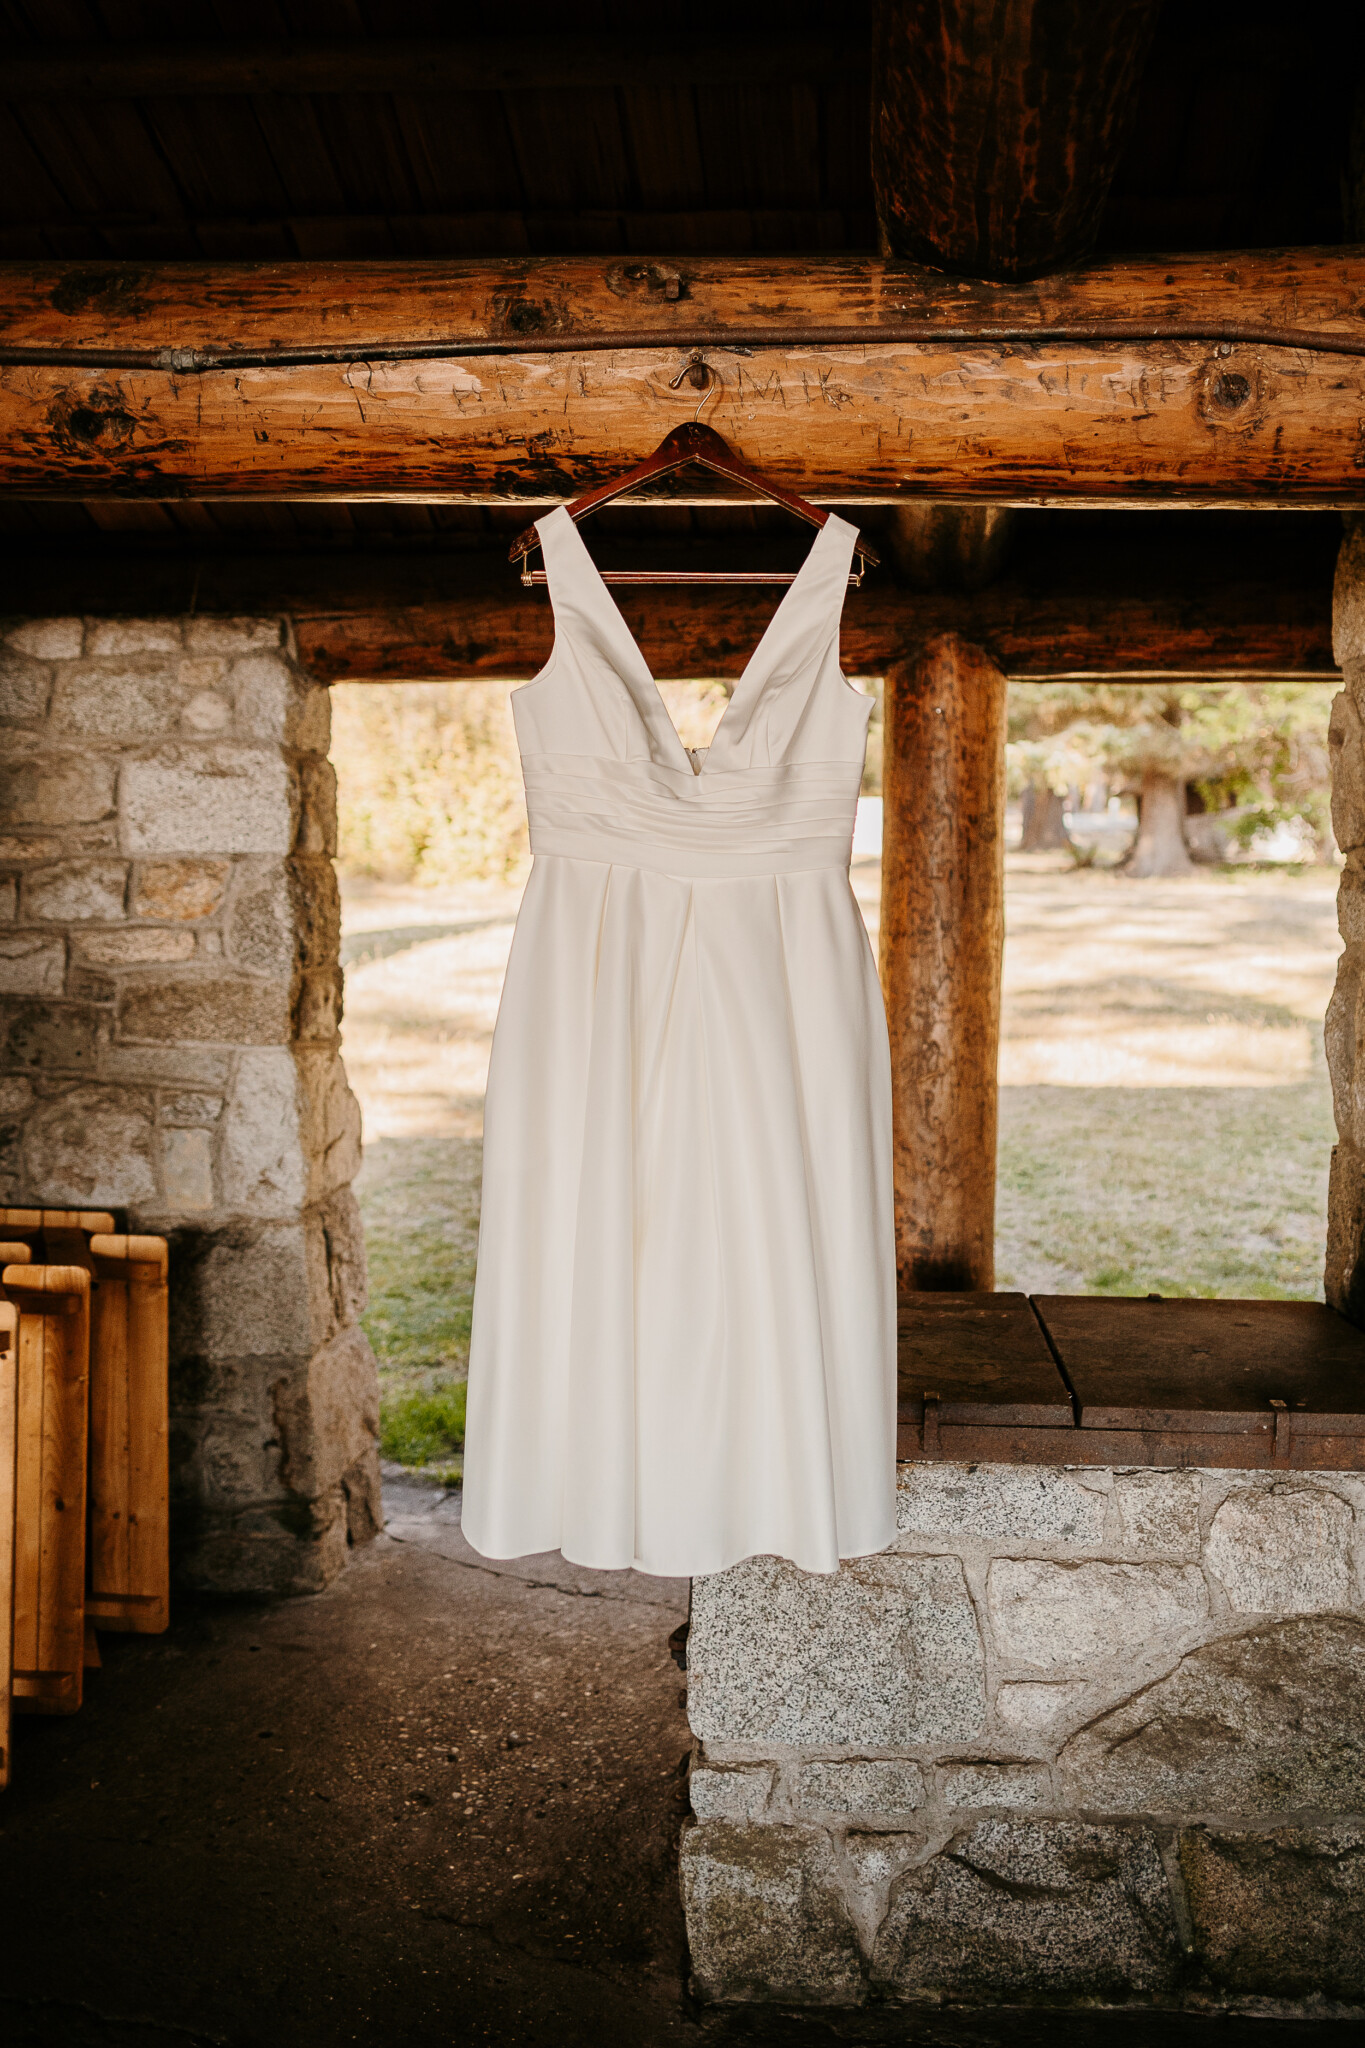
{"x": 425, "y": 1427}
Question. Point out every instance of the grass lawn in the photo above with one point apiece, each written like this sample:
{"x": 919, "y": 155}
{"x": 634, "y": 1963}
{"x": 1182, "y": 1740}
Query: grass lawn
{"x": 1165, "y": 1114}
{"x": 420, "y": 1200}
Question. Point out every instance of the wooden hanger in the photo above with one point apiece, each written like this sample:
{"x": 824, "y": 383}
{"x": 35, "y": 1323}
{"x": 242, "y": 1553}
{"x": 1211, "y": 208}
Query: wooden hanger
{"x": 698, "y": 443}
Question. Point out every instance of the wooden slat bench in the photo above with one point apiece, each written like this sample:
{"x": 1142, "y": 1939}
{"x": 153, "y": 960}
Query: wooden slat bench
{"x": 1098, "y": 1380}
{"x": 9, "y": 1443}
{"x": 53, "y": 1304}
{"x": 128, "y": 1477}
{"x": 129, "y": 1583}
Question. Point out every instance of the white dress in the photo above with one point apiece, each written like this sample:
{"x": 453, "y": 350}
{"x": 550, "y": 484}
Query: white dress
{"x": 684, "y": 1334}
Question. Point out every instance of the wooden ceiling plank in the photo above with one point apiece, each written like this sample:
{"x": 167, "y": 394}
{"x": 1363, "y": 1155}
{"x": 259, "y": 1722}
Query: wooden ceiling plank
{"x": 659, "y": 124}
{"x": 461, "y": 152}
{"x": 218, "y": 155}
{"x": 27, "y": 192}
{"x": 570, "y": 152}
{"x": 364, "y": 139}
{"x": 298, "y": 148}
{"x": 103, "y": 158}
{"x": 567, "y": 63}
{"x": 760, "y": 150}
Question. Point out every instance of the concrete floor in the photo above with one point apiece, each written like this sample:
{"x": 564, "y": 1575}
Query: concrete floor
{"x": 437, "y": 1804}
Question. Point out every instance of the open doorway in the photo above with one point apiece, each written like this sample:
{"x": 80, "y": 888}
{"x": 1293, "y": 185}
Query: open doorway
{"x": 1165, "y": 1107}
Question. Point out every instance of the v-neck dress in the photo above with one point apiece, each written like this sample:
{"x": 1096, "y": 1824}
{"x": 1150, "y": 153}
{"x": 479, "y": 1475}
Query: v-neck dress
{"x": 684, "y": 1334}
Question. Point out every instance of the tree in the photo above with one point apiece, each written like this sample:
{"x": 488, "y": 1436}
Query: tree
{"x": 1258, "y": 749}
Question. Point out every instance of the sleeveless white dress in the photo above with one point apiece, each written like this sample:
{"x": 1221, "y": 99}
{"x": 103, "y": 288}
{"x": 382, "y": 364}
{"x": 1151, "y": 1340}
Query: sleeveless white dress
{"x": 684, "y": 1334}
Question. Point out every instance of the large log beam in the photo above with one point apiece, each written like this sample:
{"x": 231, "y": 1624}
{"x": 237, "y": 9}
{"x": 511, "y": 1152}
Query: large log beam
{"x": 997, "y": 126}
{"x": 1229, "y": 380}
{"x": 1252, "y": 606}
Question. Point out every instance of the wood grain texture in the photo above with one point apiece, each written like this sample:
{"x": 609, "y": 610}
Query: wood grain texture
{"x": 1046, "y": 423}
{"x": 53, "y": 1304}
{"x": 129, "y": 1581}
{"x": 585, "y": 389}
{"x": 942, "y": 942}
{"x": 426, "y": 64}
{"x": 274, "y": 311}
{"x": 9, "y": 1422}
{"x": 1239, "y": 1385}
{"x": 997, "y": 126}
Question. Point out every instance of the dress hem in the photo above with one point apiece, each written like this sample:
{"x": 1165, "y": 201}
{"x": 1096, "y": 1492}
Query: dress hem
{"x": 659, "y": 1571}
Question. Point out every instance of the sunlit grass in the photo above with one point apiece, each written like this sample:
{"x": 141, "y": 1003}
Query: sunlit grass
{"x": 425, "y": 1429}
{"x": 1200, "y": 1191}
{"x": 419, "y": 1198}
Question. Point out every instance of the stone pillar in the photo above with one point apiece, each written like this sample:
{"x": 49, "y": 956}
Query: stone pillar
{"x": 170, "y": 993}
{"x": 1345, "y": 1029}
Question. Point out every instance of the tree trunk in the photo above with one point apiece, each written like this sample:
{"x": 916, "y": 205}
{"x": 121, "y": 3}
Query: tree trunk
{"x": 1160, "y": 847}
{"x": 1044, "y": 820}
{"x": 942, "y": 937}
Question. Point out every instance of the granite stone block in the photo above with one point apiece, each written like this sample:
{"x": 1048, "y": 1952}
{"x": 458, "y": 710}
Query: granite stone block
{"x": 998, "y": 1504}
{"x": 1282, "y": 1550}
{"x": 733, "y": 1794}
{"x": 988, "y": 1784}
{"x": 1059, "y": 1615}
{"x": 864, "y": 1786}
{"x": 1260, "y": 1722}
{"x": 1156, "y": 1515}
{"x": 71, "y": 890}
{"x": 1016, "y": 1908}
{"x": 188, "y": 889}
{"x": 883, "y": 1653}
{"x": 32, "y": 964}
{"x": 1279, "y": 1913}
{"x": 766, "y": 1915}
{"x": 92, "y": 1147}
{"x": 215, "y": 799}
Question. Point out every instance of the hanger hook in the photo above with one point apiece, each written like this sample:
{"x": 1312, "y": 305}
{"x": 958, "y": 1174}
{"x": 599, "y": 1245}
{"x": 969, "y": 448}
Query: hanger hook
{"x": 701, "y": 376}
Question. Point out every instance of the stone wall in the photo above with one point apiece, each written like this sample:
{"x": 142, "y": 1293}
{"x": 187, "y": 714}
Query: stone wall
{"x": 169, "y": 1003}
{"x": 1082, "y": 1734}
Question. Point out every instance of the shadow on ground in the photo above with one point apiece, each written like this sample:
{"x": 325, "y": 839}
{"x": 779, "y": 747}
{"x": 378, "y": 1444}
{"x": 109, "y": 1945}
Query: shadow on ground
{"x": 437, "y": 1804}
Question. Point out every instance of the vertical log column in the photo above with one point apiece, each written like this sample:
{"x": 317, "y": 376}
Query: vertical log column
{"x": 942, "y": 940}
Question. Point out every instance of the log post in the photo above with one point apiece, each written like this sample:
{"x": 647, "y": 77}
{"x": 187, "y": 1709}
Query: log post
{"x": 942, "y": 941}
{"x": 997, "y": 126}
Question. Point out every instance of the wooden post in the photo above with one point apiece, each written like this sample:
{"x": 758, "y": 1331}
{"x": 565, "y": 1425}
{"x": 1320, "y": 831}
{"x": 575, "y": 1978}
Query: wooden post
{"x": 942, "y": 939}
{"x": 997, "y": 126}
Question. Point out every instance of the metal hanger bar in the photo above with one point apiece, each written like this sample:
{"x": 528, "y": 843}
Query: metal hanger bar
{"x": 692, "y": 442}
{"x": 539, "y": 577}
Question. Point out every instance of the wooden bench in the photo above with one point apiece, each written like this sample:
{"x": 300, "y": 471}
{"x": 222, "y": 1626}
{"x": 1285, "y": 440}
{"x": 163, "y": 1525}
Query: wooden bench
{"x": 1062, "y": 1379}
{"x": 88, "y": 1512}
{"x": 9, "y": 1447}
{"x": 130, "y": 1570}
{"x": 53, "y": 1345}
